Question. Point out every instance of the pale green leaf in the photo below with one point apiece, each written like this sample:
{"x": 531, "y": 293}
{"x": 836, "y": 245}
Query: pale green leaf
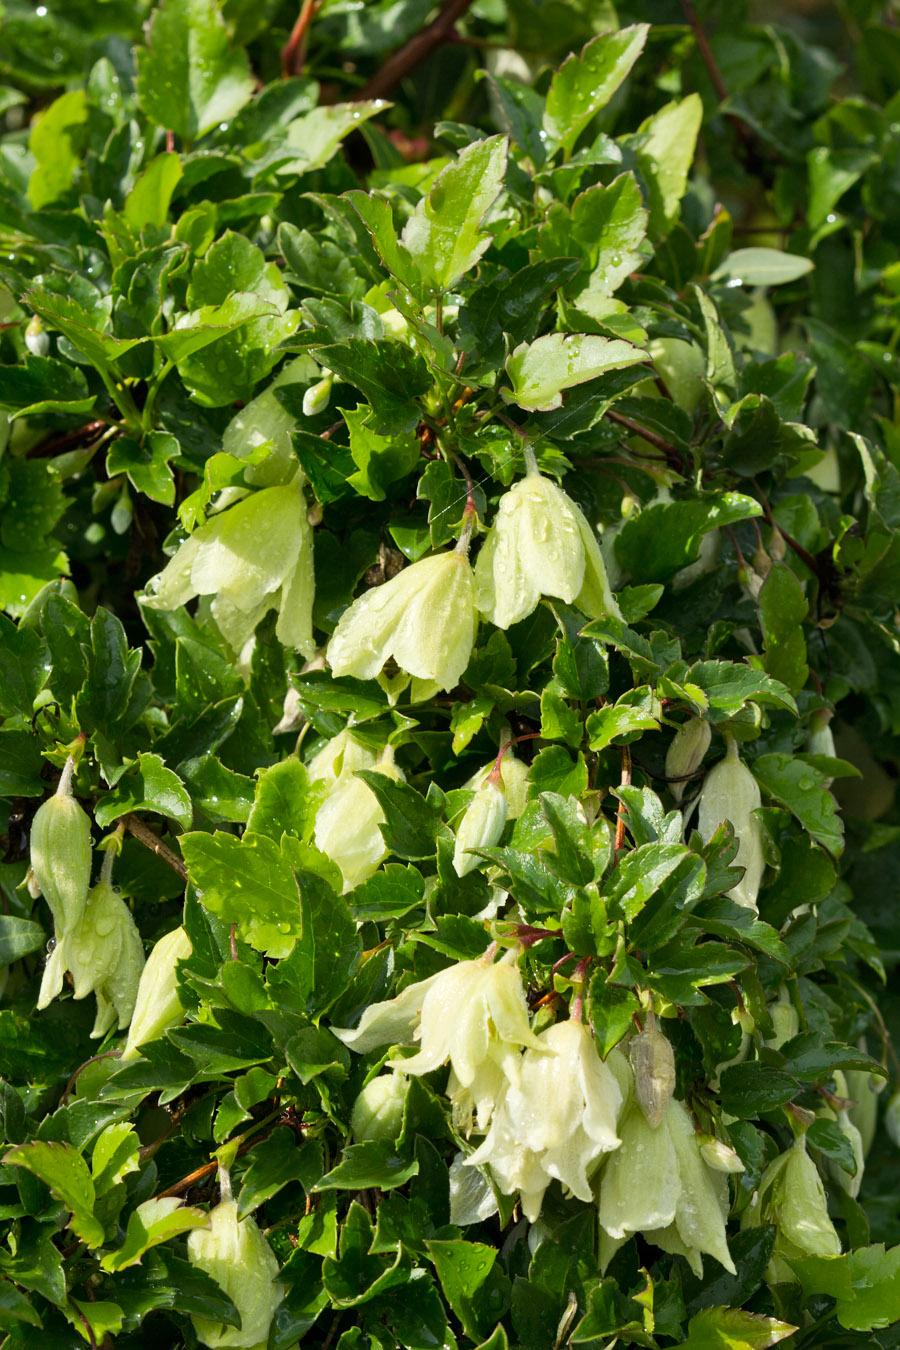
{"x": 539, "y": 371}
{"x": 188, "y": 79}
{"x": 444, "y": 235}
{"x": 585, "y": 83}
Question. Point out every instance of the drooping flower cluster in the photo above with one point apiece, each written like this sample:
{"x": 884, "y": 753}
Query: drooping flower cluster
{"x": 425, "y": 617}
{"x": 549, "y": 1108}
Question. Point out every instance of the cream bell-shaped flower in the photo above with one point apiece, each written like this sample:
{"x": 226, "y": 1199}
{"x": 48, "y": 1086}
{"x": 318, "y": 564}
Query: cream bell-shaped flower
{"x": 791, "y": 1196}
{"x": 481, "y": 825}
{"x": 104, "y": 954}
{"x": 472, "y": 1012}
{"x": 732, "y": 793}
{"x": 391, "y": 1022}
{"x": 347, "y": 824}
{"x": 424, "y": 618}
{"x": 658, "y": 1183}
{"x": 237, "y": 1256}
{"x": 540, "y": 544}
{"x": 158, "y": 1006}
{"x": 252, "y": 557}
{"x": 554, "y": 1120}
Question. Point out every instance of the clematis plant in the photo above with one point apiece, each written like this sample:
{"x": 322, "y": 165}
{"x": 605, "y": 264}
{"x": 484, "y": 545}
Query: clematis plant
{"x": 791, "y": 1196}
{"x": 555, "y": 1119}
{"x": 252, "y": 557}
{"x": 104, "y": 954}
{"x": 424, "y": 618}
{"x": 540, "y": 544}
{"x": 659, "y": 1184}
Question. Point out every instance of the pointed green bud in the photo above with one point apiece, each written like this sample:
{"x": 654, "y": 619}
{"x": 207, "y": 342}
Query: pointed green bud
{"x": 318, "y": 396}
{"x": 720, "y": 1157}
{"x": 378, "y": 1110}
{"x": 686, "y": 752}
{"x": 540, "y": 544}
{"x": 481, "y": 826}
{"x": 61, "y": 853}
{"x": 732, "y": 793}
{"x": 424, "y": 618}
{"x": 36, "y": 340}
{"x": 157, "y": 1005}
{"x": 238, "y": 1257}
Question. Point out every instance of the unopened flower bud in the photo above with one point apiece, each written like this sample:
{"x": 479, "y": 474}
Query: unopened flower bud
{"x": 157, "y": 1005}
{"x": 36, "y": 340}
{"x": 653, "y": 1063}
{"x": 791, "y": 1196}
{"x": 686, "y": 752}
{"x": 318, "y": 396}
{"x": 719, "y": 1156}
{"x": 785, "y": 1020}
{"x": 820, "y": 739}
{"x": 61, "y": 853}
{"x": 481, "y": 826}
{"x": 378, "y": 1110}
{"x": 732, "y": 793}
{"x": 238, "y": 1257}
{"x": 348, "y": 823}
{"x": 514, "y": 780}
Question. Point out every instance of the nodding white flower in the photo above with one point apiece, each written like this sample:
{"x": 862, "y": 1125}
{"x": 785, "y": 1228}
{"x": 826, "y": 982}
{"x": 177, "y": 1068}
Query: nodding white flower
{"x": 481, "y": 825}
{"x": 820, "y": 738}
{"x": 732, "y": 793}
{"x": 238, "y": 1257}
{"x": 471, "y": 1012}
{"x": 540, "y": 544}
{"x": 105, "y": 955}
{"x": 348, "y": 821}
{"x": 792, "y": 1197}
{"x": 554, "y": 1120}
{"x": 658, "y": 1183}
{"x": 255, "y": 556}
{"x": 424, "y": 618}
{"x": 158, "y": 1006}
{"x": 61, "y": 854}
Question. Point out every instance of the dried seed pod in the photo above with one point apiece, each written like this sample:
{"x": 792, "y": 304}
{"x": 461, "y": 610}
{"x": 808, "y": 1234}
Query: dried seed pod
{"x": 61, "y": 853}
{"x": 685, "y": 754}
{"x": 653, "y": 1063}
